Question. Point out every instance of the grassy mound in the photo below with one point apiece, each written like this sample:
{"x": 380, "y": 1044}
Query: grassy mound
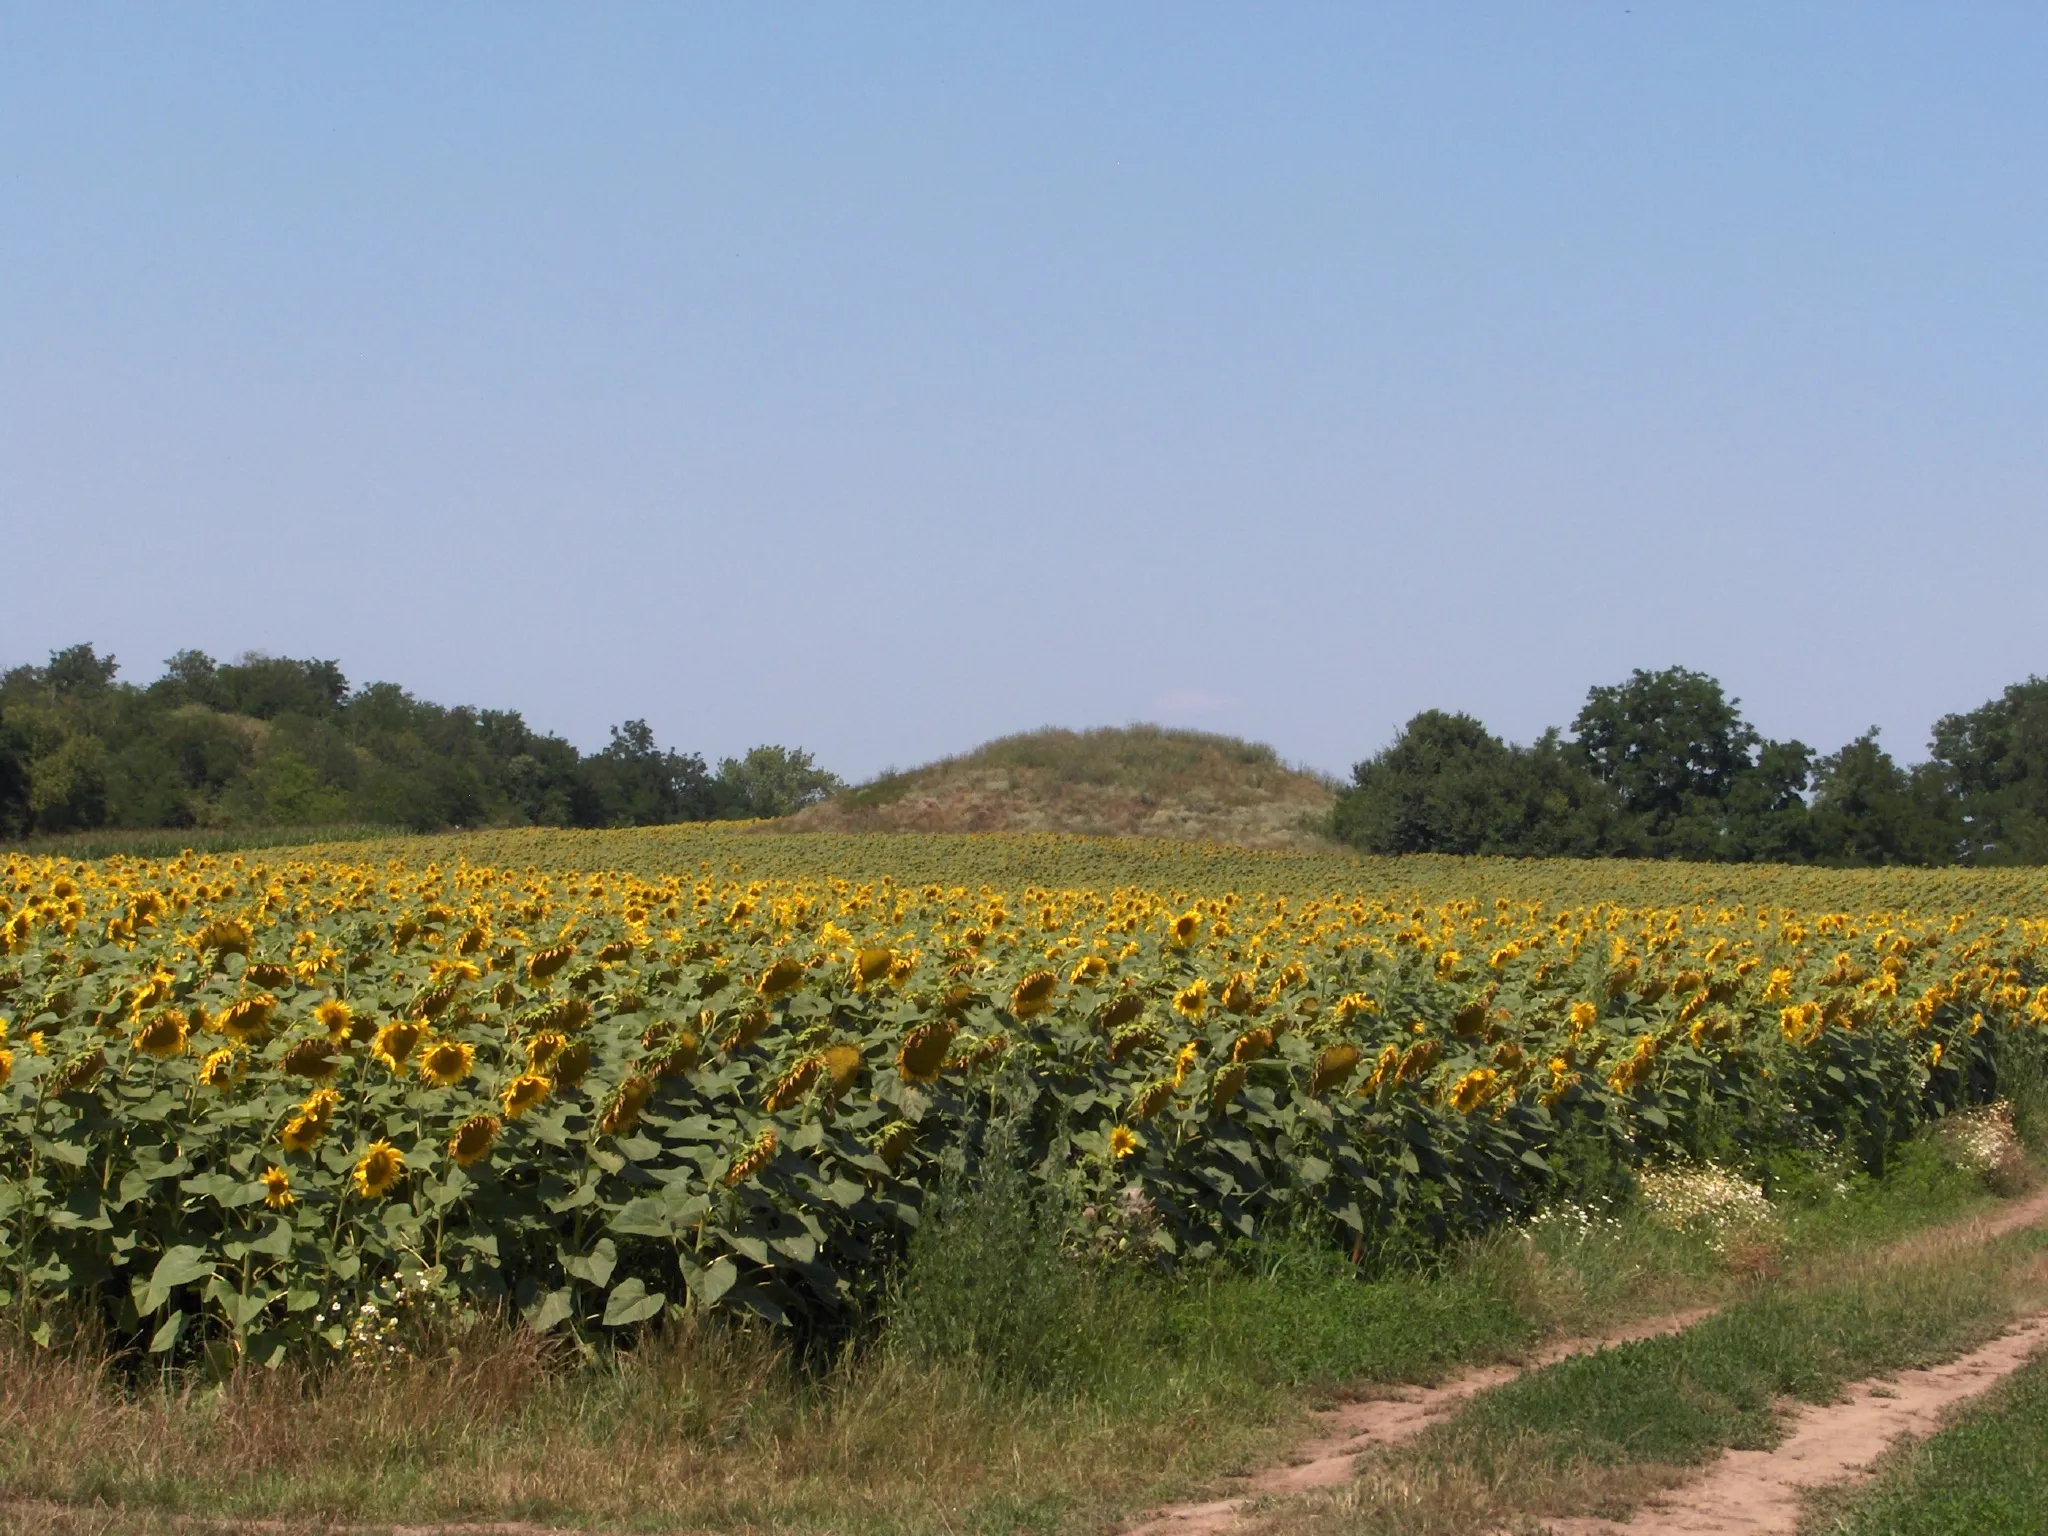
{"x": 1136, "y": 781}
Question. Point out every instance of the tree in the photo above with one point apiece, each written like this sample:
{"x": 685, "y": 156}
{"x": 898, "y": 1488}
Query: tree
{"x": 1448, "y": 785}
{"x": 1683, "y": 761}
{"x": 1869, "y": 810}
{"x": 633, "y": 783}
{"x": 77, "y": 669}
{"x": 772, "y": 781}
{"x": 1992, "y": 765}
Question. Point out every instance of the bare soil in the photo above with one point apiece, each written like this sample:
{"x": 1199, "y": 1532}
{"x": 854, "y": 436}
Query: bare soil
{"x": 1757, "y": 1493}
{"x": 1353, "y": 1428}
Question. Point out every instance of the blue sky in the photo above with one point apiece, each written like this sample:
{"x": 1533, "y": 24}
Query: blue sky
{"x": 881, "y": 379}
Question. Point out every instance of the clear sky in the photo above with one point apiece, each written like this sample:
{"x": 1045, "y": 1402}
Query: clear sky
{"x": 883, "y": 378}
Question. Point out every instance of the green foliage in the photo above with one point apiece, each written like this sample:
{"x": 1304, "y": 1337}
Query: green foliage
{"x": 1664, "y": 764}
{"x": 268, "y": 741}
{"x": 1985, "y": 1476}
{"x": 737, "y": 1095}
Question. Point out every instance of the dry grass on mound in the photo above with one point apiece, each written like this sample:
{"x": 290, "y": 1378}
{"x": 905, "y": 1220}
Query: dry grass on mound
{"x": 1138, "y": 781}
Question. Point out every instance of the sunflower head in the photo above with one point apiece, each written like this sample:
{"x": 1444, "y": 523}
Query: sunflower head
{"x": 396, "y": 1041}
{"x": 246, "y": 1021}
{"x": 1123, "y": 1141}
{"x": 471, "y": 1143}
{"x": 1474, "y": 1089}
{"x": 622, "y": 1113}
{"x": 311, "y": 1058}
{"x": 377, "y": 1170}
{"x": 924, "y": 1051}
{"x": 524, "y": 1092}
{"x": 1033, "y": 995}
{"x": 781, "y": 978}
{"x": 872, "y": 965}
{"x": 277, "y": 1189}
{"x": 543, "y": 1047}
{"x": 1184, "y": 929}
{"x": 334, "y": 1016}
{"x": 842, "y": 1064}
{"x": 447, "y": 1062}
{"x": 1192, "y": 1000}
{"x": 223, "y": 1068}
{"x": 164, "y": 1036}
{"x": 1332, "y": 1068}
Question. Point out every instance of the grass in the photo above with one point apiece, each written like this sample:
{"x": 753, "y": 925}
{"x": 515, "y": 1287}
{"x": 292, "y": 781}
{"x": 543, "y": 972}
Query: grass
{"x": 1598, "y": 1433}
{"x": 1987, "y": 1475}
{"x": 1007, "y": 1388}
{"x": 1142, "y": 779}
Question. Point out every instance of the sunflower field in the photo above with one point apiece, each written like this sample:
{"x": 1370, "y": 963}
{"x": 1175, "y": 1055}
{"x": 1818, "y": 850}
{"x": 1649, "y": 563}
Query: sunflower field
{"x": 596, "y": 1078}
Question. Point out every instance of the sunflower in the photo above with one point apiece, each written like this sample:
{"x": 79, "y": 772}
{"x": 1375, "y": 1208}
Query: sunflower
{"x": 447, "y": 1062}
{"x": 1184, "y": 1062}
{"x": 542, "y": 1049}
{"x": 894, "y": 1141}
{"x": 164, "y": 1036}
{"x": 334, "y": 1016}
{"x": 1184, "y": 929}
{"x": 781, "y": 979}
{"x": 247, "y": 1020}
{"x": 1123, "y": 1141}
{"x": 543, "y": 963}
{"x": 571, "y": 1064}
{"x": 1152, "y": 1098}
{"x": 1090, "y": 968}
{"x": 223, "y": 1068}
{"x": 872, "y": 965}
{"x": 842, "y": 1064}
{"x": 623, "y": 1112}
{"x": 302, "y": 1132}
{"x": 1033, "y": 995}
{"x": 754, "y": 1159}
{"x": 1224, "y": 1089}
{"x": 1251, "y": 1046}
{"x": 310, "y": 1058}
{"x": 793, "y": 1084}
{"x": 6, "y": 1065}
{"x": 1474, "y": 1089}
{"x": 523, "y": 1093}
{"x": 1331, "y": 1068}
{"x": 471, "y": 1143}
{"x": 924, "y": 1051}
{"x": 396, "y": 1041}
{"x": 1192, "y": 1000}
{"x": 382, "y": 1166}
{"x": 277, "y": 1189}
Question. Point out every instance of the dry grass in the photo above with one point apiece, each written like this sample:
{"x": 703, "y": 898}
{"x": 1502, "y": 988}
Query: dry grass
{"x": 697, "y": 1429}
{"x": 1141, "y": 781}
{"x": 1502, "y": 1472}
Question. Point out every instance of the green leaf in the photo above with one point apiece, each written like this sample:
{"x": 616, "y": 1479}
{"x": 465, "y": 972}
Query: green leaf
{"x": 179, "y": 1266}
{"x": 713, "y": 1281}
{"x": 631, "y": 1302}
{"x": 595, "y": 1266}
{"x": 172, "y": 1330}
{"x": 551, "y": 1310}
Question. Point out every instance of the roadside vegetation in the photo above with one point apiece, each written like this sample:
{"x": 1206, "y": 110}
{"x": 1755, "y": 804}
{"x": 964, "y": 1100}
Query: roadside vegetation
{"x": 1006, "y": 1386}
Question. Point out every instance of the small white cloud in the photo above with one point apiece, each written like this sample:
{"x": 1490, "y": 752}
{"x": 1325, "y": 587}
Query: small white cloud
{"x": 1192, "y": 701}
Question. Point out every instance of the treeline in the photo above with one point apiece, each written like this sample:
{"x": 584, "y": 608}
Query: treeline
{"x": 268, "y": 741}
{"x": 1664, "y": 766}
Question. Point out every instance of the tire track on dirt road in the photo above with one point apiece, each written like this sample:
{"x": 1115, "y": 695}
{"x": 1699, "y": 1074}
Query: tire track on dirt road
{"x": 1350, "y": 1430}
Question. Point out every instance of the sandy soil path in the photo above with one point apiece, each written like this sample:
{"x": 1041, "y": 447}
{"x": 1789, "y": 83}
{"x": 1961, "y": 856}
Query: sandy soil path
{"x": 1756, "y": 1493}
{"x": 1353, "y": 1428}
